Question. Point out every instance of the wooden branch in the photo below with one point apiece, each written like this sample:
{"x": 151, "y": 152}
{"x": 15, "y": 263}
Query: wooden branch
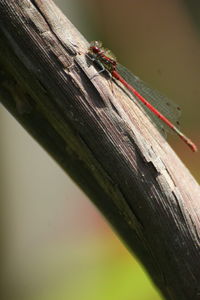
{"x": 103, "y": 141}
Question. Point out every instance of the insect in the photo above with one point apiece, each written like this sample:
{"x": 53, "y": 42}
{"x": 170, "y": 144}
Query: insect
{"x": 157, "y": 104}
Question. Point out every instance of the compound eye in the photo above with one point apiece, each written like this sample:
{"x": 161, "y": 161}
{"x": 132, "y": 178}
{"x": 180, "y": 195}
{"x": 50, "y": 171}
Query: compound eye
{"x": 95, "y": 49}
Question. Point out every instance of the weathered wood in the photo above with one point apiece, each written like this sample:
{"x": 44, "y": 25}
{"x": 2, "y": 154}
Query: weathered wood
{"x": 103, "y": 141}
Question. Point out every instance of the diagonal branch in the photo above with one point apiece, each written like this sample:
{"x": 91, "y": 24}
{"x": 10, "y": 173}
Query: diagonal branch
{"x": 103, "y": 141}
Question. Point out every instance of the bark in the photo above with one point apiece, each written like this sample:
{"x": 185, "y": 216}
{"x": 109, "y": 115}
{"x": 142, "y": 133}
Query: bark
{"x": 103, "y": 141}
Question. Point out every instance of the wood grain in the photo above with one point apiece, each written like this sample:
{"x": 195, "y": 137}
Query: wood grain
{"x": 103, "y": 141}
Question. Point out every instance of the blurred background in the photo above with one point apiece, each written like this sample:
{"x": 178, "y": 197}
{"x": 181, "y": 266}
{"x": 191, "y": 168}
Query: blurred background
{"x": 58, "y": 246}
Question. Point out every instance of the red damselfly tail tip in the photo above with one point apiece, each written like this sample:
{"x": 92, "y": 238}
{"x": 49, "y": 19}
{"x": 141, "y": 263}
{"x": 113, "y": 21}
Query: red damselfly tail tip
{"x": 192, "y": 146}
{"x": 184, "y": 138}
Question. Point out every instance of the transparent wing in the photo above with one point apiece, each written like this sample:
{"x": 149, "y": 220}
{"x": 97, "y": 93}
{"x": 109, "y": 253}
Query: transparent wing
{"x": 165, "y": 106}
